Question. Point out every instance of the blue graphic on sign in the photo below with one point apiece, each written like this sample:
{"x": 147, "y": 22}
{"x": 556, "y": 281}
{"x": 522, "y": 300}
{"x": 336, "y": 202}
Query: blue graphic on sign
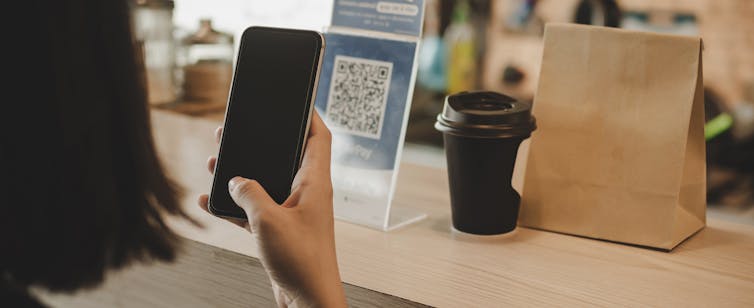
{"x": 392, "y": 16}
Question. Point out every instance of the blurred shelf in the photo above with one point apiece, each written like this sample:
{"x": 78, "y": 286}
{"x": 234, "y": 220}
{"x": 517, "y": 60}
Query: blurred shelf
{"x": 208, "y": 110}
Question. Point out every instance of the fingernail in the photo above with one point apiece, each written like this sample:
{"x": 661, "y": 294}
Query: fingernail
{"x": 234, "y": 182}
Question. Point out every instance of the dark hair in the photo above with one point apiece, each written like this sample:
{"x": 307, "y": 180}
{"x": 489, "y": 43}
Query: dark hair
{"x": 82, "y": 188}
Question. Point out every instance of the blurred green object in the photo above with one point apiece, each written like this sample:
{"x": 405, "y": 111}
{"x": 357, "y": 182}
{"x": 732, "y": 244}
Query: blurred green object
{"x": 461, "y": 67}
{"x": 717, "y": 126}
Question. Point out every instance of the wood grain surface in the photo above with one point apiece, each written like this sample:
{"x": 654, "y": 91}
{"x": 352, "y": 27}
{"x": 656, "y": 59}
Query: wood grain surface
{"x": 428, "y": 263}
{"x": 202, "y": 276}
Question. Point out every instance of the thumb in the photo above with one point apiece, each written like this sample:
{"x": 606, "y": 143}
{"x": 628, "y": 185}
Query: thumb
{"x": 251, "y": 197}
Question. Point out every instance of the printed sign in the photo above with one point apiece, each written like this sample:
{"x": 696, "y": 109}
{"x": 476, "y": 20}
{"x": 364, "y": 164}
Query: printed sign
{"x": 364, "y": 96}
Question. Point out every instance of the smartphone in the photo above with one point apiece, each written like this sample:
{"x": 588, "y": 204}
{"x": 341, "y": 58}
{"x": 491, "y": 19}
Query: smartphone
{"x": 268, "y": 113}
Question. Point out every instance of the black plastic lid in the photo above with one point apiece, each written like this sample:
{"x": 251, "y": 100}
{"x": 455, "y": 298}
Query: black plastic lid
{"x": 485, "y": 115}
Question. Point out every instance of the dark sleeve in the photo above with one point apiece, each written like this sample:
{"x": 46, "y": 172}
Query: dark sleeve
{"x": 12, "y": 297}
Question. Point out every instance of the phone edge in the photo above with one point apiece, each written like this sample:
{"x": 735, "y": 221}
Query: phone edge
{"x": 312, "y": 100}
{"x": 210, "y": 209}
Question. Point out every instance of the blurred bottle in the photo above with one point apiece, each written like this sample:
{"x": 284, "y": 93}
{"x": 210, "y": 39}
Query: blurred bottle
{"x": 523, "y": 19}
{"x": 153, "y": 29}
{"x": 432, "y": 58}
{"x": 206, "y": 57}
{"x": 460, "y": 42}
{"x": 743, "y": 115}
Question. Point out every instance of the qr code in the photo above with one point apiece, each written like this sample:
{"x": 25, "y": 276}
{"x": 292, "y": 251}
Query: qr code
{"x": 358, "y": 95}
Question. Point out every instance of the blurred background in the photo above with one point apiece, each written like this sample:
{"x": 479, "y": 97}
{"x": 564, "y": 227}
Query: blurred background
{"x": 472, "y": 44}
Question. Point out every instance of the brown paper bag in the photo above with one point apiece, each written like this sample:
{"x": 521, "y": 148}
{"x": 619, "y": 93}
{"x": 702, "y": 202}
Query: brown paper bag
{"x": 619, "y": 151}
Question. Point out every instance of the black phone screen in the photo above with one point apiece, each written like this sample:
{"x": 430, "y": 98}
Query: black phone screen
{"x": 267, "y": 116}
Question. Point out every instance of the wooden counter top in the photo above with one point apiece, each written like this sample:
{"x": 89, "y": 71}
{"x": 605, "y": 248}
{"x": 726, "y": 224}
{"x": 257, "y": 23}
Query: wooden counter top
{"x": 427, "y": 263}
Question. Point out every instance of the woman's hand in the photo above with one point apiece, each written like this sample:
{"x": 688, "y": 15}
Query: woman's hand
{"x": 296, "y": 239}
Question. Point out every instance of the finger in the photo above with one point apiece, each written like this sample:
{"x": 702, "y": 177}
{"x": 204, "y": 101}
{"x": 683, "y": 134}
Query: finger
{"x": 204, "y": 205}
{"x": 211, "y": 162}
{"x": 218, "y": 134}
{"x": 317, "y": 152}
{"x": 252, "y": 198}
{"x": 317, "y": 125}
{"x": 204, "y": 202}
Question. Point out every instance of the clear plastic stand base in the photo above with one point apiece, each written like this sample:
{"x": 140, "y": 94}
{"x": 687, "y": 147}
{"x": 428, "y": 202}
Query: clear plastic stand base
{"x": 403, "y": 216}
{"x": 395, "y": 217}
{"x": 363, "y": 197}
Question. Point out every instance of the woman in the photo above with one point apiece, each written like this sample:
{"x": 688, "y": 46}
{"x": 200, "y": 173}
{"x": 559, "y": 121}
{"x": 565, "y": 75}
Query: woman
{"x": 83, "y": 189}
